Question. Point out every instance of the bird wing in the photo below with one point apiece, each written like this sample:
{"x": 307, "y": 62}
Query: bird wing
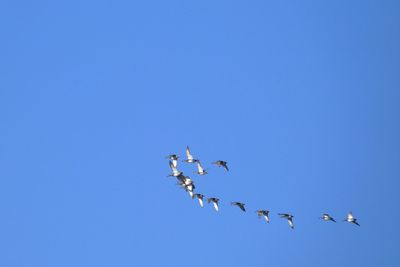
{"x": 173, "y": 168}
{"x": 290, "y": 222}
{"x": 215, "y": 206}
{"x": 199, "y": 167}
{"x": 175, "y": 163}
{"x": 188, "y": 155}
{"x": 266, "y": 218}
{"x": 201, "y": 202}
{"x": 226, "y": 167}
{"x": 241, "y": 206}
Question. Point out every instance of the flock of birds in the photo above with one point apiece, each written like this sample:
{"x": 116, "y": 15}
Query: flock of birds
{"x": 187, "y": 183}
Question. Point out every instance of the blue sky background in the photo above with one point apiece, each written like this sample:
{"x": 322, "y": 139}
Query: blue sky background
{"x": 300, "y": 97}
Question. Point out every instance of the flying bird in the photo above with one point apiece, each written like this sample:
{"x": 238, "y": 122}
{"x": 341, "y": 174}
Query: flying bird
{"x": 214, "y": 200}
{"x": 200, "y": 169}
{"x": 350, "y": 218}
{"x": 239, "y": 204}
{"x": 199, "y": 197}
{"x": 186, "y": 183}
{"x": 327, "y": 217}
{"x": 174, "y": 158}
{"x": 221, "y": 163}
{"x": 189, "y": 156}
{"x": 263, "y": 213}
{"x": 289, "y": 218}
{"x": 175, "y": 171}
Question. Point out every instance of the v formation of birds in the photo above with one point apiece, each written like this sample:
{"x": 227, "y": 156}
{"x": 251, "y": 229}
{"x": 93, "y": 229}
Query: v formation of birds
{"x": 187, "y": 183}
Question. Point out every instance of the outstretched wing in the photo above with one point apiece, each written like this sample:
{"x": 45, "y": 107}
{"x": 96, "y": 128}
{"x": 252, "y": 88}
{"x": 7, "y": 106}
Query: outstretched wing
{"x": 215, "y": 206}
{"x": 241, "y": 206}
{"x": 188, "y": 154}
{"x": 199, "y": 167}
{"x": 225, "y": 166}
{"x": 175, "y": 171}
{"x": 290, "y": 222}
{"x": 175, "y": 163}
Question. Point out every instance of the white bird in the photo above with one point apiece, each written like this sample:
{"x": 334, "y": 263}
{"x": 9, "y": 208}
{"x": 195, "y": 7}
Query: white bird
{"x": 239, "y": 204}
{"x": 289, "y": 218}
{"x": 221, "y": 163}
{"x": 263, "y": 213}
{"x": 200, "y": 169}
{"x": 174, "y": 158}
{"x": 214, "y": 200}
{"x": 200, "y": 198}
{"x": 350, "y": 218}
{"x": 189, "y": 156}
{"x": 327, "y": 217}
{"x": 175, "y": 171}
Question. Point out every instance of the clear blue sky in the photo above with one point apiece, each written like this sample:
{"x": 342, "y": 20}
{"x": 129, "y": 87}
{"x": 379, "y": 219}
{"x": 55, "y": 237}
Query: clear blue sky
{"x": 302, "y": 100}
